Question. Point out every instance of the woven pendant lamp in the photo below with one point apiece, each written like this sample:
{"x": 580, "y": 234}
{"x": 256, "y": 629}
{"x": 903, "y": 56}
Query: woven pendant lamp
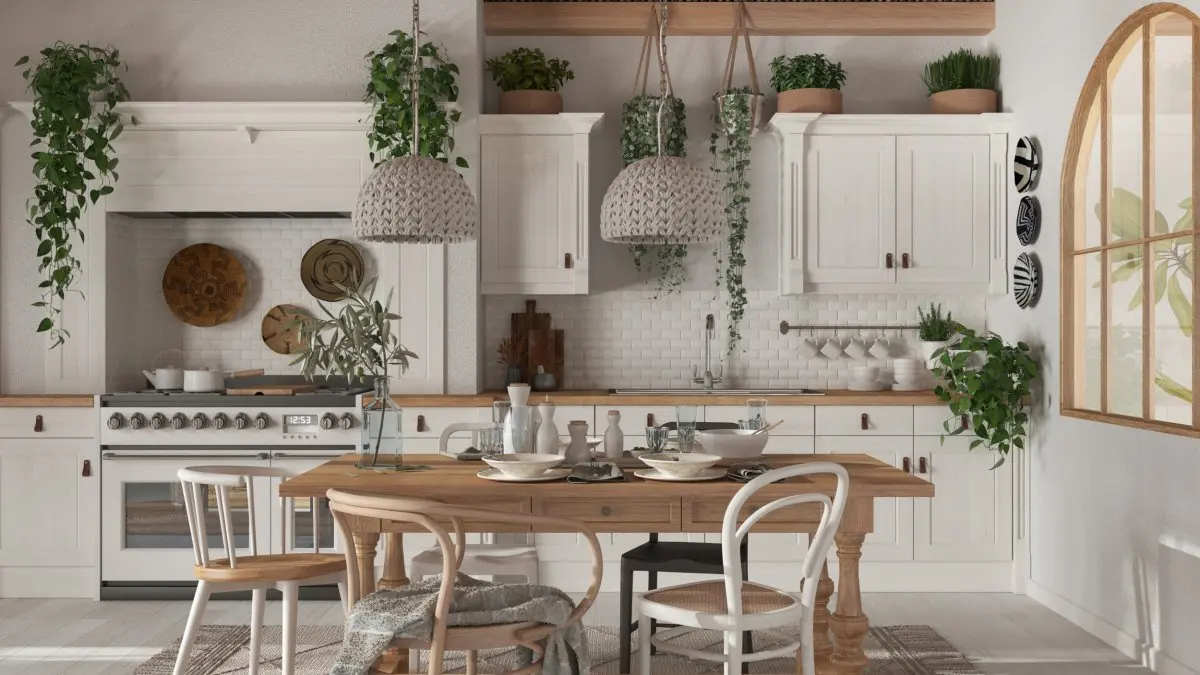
{"x": 415, "y": 199}
{"x": 662, "y": 199}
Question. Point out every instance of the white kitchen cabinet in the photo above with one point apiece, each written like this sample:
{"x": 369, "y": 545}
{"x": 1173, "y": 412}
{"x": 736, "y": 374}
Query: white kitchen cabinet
{"x": 534, "y": 203}
{"x": 49, "y": 494}
{"x": 970, "y": 519}
{"x": 892, "y": 203}
{"x": 793, "y": 437}
{"x": 892, "y": 539}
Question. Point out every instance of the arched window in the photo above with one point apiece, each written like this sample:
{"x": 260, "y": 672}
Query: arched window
{"x": 1131, "y": 175}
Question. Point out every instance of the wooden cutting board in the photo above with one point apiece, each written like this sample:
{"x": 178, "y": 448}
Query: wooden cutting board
{"x": 524, "y": 322}
{"x": 270, "y": 390}
{"x": 546, "y": 351}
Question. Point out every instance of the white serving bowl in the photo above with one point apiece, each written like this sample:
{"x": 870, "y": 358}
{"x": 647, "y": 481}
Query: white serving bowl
{"x": 679, "y": 464}
{"x": 732, "y": 445}
{"x": 523, "y": 464}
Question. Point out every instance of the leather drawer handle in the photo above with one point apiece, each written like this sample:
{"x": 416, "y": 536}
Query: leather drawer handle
{"x": 568, "y": 262}
{"x": 87, "y": 468}
{"x": 888, "y": 261}
{"x": 605, "y": 511}
{"x": 866, "y": 421}
{"x": 907, "y": 464}
{"x": 38, "y": 425}
{"x": 650, "y": 420}
{"x": 421, "y": 425}
{"x": 904, "y": 260}
{"x": 922, "y": 465}
{"x": 966, "y": 421}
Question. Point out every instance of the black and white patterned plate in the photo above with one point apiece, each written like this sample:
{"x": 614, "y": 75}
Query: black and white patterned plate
{"x": 1027, "y": 164}
{"x": 1027, "y": 280}
{"x": 1029, "y": 220}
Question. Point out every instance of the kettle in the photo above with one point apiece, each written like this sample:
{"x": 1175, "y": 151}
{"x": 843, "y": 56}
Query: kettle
{"x": 165, "y": 378}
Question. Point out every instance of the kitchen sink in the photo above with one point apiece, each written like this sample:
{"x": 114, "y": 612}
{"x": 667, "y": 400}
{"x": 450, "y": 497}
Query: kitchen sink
{"x": 719, "y": 392}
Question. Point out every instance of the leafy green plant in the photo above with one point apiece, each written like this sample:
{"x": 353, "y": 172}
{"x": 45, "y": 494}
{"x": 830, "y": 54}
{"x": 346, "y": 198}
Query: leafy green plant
{"x": 994, "y": 394}
{"x": 730, "y": 147}
{"x": 75, "y": 90}
{"x": 524, "y": 68}
{"x": 962, "y": 69}
{"x": 389, "y": 91}
{"x": 639, "y": 139}
{"x": 806, "y": 71}
{"x": 934, "y": 326}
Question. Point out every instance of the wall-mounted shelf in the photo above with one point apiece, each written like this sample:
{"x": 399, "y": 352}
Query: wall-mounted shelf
{"x": 785, "y": 327}
{"x": 766, "y": 18}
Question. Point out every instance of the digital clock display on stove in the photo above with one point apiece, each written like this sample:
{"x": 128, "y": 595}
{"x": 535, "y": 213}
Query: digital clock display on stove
{"x": 300, "y": 424}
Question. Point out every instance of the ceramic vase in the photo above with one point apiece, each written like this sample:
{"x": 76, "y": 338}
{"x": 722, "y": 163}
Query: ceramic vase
{"x": 577, "y": 450}
{"x": 547, "y": 433}
{"x": 614, "y": 438}
{"x": 381, "y": 446}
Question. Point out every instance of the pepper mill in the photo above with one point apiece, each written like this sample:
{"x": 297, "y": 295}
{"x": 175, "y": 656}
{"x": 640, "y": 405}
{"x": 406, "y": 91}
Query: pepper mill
{"x": 577, "y": 451}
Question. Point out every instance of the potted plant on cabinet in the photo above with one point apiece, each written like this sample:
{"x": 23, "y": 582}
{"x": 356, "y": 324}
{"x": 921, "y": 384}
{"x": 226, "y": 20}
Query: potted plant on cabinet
{"x": 808, "y": 83}
{"x": 529, "y": 82}
{"x": 935, "y": 331}
{"x": 963, "y": 82}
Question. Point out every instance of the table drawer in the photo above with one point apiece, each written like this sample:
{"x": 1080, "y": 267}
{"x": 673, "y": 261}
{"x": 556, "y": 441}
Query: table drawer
{"x": 511, "y": 505}
{"x": 707, "y": 516}
{"x": 928, "y": 420}
{"x": 48, "y": 423}
{"x": 616, "y": 514}
{"x": 797, "y": 419}
{"x": 867, "y": 420}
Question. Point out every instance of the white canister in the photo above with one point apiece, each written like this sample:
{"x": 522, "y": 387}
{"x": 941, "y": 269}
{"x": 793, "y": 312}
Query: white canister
{"x": 547, "y": 433}
{"x": 614, "y": 438}
{"x": 578, "y": 451}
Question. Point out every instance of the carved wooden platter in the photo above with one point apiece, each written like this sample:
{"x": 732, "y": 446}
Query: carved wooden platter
{"x": 204, "y": 285}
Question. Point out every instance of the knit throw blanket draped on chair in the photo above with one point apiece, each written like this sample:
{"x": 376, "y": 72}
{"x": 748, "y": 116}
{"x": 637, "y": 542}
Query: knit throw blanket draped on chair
{"x": 408, "y": 612}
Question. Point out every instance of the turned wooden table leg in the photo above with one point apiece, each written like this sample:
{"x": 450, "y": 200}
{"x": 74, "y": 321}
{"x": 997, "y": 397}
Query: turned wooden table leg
{"x": 848, "y": 622}
{"x": 365, "y": 544}
{"x": 394, "y": 576}
{"x": 822, "y": 645}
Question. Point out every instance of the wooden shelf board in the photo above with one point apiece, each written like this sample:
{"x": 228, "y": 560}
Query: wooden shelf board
{"x": 766, "y": 18}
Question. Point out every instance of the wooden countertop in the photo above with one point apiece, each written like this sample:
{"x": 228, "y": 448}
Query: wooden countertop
{"x": 603, "y": 397}
{"x": 47, "y": 401}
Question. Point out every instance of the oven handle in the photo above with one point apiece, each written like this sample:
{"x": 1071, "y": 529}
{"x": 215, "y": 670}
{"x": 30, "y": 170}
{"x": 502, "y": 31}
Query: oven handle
{"x": 117, "y": 455}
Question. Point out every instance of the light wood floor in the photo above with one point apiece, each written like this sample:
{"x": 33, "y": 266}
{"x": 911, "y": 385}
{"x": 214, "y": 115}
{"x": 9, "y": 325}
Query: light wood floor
{"x": 1004, "y": 634}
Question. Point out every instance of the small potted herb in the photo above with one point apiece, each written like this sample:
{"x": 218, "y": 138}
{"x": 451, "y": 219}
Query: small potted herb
{"x": 963, "y": 82}
{"x": 529, "y": 82}
{"x": 935, "y": 331}
{"x": 808, "y": 83}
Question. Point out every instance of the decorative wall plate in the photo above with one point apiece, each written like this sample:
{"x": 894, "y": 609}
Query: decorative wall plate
{"x": 1027, "y": 164}
{"x": 329, "y": 262}
{"x": 204, "y": 285}
{"x": 1027, "y": 280}
{"x": 1029, "y": 220}
{"x": 278, "y": 329}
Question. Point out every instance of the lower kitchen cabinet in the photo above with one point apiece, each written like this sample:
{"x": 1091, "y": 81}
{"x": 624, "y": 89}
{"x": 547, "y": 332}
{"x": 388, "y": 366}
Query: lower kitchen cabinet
{"x": 970, "y": 519}
{"x": 892, "y": 539}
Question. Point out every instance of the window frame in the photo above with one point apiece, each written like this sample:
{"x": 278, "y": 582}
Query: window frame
{"x": 1092, "y": 124}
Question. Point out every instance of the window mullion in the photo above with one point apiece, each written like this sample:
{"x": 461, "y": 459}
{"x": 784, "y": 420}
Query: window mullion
{"x": 1105, "y": 229}
{"x": 1148, "y": 219}
{"x": 1195, "y": 225}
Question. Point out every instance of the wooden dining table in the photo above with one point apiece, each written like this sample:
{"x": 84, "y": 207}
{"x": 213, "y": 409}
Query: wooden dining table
{"x": 634, "y": 505}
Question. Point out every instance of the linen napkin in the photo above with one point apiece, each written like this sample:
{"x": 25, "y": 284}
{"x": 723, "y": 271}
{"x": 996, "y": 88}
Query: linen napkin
{"x": 595, "y": 472}
{"x": 746, "y": 471}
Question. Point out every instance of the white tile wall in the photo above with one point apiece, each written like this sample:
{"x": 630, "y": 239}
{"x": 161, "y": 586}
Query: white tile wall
{"x": 626, "y": 339}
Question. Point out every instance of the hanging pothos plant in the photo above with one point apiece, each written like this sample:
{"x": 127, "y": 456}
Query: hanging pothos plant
{"x": 75, "y": 93}
{"x": 639, "y": 139}
{"x": 730, "y": 147}
{"x": 390, "y": 94}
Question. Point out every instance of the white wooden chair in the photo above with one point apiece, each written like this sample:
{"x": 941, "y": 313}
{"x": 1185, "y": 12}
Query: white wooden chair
{"x": 286, "y": 572}
{"x": 732, "y": 605}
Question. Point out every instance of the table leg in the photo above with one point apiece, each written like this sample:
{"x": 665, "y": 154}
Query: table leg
{"x": 822, "y": 645}
{"x": 365, "y": 544}
{"x": 848, "y": 622}
{"x": 394, "y": 576}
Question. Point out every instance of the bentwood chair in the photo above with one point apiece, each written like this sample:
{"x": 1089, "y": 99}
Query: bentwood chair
{"x": 432, "y": 515}
{"x": 286, "y": 572}
{"x": 735, "y": 606}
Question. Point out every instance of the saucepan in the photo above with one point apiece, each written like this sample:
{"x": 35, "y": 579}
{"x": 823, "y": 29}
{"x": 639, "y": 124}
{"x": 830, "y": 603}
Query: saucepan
{"x": 205, "y": 380}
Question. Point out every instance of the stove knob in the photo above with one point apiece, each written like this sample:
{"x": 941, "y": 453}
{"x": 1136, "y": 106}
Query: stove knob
{"x": 199, "y": 421}
{"x": 116, "y": 421}
{"x": 137, "y": 421}
{"x": 241, "y": 421}
{"x": 347, "y": 421}
{"x": 328, "y": 421}
{"x": 261, "y": 421}
{"x": 220, "y": 421}
{"x": 158, "y": 421}
{"x": 179, "y": 421}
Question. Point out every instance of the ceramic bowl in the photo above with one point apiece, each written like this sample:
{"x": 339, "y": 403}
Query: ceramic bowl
{"x": 679, "y": 464}
{"x": 908, "y": 364}
{"x": 523, "y": 464}
{"x": 732, "y": 445}
{"x": 864, "y": 373}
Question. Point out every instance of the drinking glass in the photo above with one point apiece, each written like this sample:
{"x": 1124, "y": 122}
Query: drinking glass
{"x": 491, "y": 441}
{"x": 752, "y": 424}
{"x": 500, "y": 412}
{"x": 756, "y": 411}
{"x": 685, "y": 423}
{"x": 656, "y": 438}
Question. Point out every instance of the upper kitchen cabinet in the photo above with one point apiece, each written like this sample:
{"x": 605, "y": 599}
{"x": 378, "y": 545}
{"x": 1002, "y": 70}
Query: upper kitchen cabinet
{"x": 534, "y": 203}
{"x": 892, "y": 203}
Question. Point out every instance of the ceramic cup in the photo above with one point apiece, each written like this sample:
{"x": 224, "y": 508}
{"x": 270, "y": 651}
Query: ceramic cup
{"x": 833, "y": 348}
{"x": 809, "y": 347}
{"x": 881, "y": 348}
{"x": 856, "y": 348}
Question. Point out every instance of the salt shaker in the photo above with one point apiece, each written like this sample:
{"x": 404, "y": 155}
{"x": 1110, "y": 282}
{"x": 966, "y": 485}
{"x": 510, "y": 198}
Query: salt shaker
{"x": 614, "y": 440}
{"x": 577, "y": 451}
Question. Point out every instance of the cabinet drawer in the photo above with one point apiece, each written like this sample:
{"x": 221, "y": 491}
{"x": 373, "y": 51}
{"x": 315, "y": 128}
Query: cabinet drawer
{"x": 54, "y": 423}
{"x": 867, "y": 420}
{"x": 617, "y": 514}
{"x": 565, "y": 414}
{"x": 634, "y": 419}
{"x": 797, "y": 419}
{"x": 707, "y": 516}
{"x": 929, "y": 420}
{"x": 418, "y": 422}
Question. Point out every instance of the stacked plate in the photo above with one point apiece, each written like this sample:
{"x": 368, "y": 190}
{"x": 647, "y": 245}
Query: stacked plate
{"x": 911, "y": 375}
{"x": 865, "y": 378}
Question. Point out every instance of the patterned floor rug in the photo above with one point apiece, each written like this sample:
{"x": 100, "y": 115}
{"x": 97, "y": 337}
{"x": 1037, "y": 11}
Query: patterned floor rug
{"x": 892, "y": 650}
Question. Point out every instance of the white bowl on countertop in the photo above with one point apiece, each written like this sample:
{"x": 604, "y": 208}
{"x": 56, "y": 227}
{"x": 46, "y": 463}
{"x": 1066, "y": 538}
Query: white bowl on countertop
{"x": 523, "y": 464}
{"x": 679, "y": 464}
{"x": 732, "y": 445}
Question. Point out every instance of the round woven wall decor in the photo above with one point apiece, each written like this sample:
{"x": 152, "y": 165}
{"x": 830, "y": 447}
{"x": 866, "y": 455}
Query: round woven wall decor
{"x": 279, "y": 330}
{"x": 329, "y": 262}
{"x": 204, "y": 285}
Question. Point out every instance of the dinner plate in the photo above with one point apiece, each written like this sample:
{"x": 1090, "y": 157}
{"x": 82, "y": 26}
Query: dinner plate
{"x": 916, "y": 386}
{"x": 557, "y": 473}
{"x": 707, "y": 474}
{"x": 867, "y": 386}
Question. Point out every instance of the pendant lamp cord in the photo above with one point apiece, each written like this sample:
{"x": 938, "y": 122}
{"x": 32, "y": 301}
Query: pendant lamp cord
{"x": 663, "y": 86}
{"x": 414, "y": 78}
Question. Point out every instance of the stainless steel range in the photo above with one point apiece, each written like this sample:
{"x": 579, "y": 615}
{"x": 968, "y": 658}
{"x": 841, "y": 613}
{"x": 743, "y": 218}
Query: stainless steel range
{"x": 147, "y": 436}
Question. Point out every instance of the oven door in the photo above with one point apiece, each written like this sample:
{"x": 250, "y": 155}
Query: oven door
{"x": 144, "y": 528}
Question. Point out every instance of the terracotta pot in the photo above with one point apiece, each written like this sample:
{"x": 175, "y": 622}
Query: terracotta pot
{"x": 964, "y": 102}
{"x": 810, "y": 101}
{"x": 530, "y": 102}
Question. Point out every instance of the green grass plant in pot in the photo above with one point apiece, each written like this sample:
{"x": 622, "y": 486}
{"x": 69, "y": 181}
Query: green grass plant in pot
{"x": 963, "y": 82}
{"x": 935, "y": 330}
{"x": 808, "y": 83}
{"x": 529, "y": 82}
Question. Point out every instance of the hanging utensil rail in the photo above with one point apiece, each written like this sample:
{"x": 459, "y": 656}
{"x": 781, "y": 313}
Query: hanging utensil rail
{"x": 785, "y": 327}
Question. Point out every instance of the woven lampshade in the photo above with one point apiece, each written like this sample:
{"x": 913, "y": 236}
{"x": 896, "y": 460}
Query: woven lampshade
{"x": 416, "y": 200}
{"x": 662, "y": 200}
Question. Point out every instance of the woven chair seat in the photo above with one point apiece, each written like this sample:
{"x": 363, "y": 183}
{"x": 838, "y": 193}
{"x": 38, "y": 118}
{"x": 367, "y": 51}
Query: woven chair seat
{"x": 709, "y": 597}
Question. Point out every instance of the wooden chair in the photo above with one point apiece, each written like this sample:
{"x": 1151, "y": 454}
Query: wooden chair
{"x": 430, "y": 515}
{"x": 736, "y": 606}
{"x": 286, "y": 572}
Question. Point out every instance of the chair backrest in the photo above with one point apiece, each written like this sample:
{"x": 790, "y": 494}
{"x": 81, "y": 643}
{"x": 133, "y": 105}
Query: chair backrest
{"x": 196, "y": 481}
{"x": 818, "y": 548}
{"x": 459, "y": 427}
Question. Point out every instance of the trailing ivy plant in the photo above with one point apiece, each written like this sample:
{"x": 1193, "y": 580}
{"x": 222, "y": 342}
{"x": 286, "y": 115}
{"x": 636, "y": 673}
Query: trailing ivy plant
{"x": 730, "y": 147}
{"x": 389, "y": 92}
{"x": 639, "y": 139}
{"x": 75, "y": 90}
{"x": 524, "y": 68}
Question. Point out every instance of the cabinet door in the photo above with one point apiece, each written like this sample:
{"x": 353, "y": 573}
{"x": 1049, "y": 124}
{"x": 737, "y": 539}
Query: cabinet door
{"x": 970, "y": 518}
{"x": 850, "y": 209}
{"x": 47, "y": 505}
{"x": 531, "y": 219}
{"x": 943, "y": 203}
{"x": 893, "y": 536}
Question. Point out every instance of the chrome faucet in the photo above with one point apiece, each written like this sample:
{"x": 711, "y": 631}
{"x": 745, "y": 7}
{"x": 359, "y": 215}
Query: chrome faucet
{"x": 708, "y": 379}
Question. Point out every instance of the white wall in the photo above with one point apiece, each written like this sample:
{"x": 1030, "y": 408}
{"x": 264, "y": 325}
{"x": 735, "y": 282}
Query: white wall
{"x": 1115, "y": 512}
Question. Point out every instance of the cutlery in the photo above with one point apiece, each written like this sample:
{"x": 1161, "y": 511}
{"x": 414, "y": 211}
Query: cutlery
{"x": 767, "y": 428}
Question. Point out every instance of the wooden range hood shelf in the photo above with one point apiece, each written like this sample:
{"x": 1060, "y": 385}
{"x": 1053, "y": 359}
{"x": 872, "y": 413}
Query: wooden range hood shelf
{"x": 775, "y": 17}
